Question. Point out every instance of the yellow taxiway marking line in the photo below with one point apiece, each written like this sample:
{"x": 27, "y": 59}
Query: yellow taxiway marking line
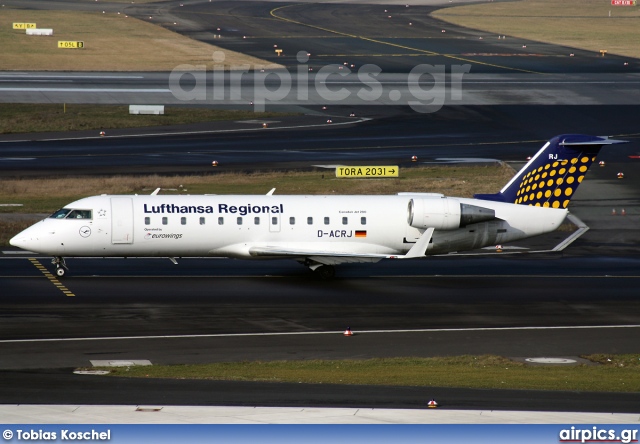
{"x": 377, "y": 55}
{"x": 422, "y": 51}
{"x": 434, "y": 55}
{"x": 54, "y": 280}
{"x": 303, "y": 37}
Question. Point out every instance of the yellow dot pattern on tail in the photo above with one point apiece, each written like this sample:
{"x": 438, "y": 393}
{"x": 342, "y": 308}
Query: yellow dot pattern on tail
{"x": 551, "y": 177}
{"x": 553, "y": 184}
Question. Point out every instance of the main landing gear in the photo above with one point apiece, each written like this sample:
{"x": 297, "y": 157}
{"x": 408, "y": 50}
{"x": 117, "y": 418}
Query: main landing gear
{"x": 61, "y": 265}
{"x": 325, "y": 272}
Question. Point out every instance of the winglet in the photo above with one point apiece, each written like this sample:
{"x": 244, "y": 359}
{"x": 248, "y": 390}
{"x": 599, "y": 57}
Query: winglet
{"x": 270, "y": 193}
{"x": 419, "y": 248}
{"x": 156, "y": 191}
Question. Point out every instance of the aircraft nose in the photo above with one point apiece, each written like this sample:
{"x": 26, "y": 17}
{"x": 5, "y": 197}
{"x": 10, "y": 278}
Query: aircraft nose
{"x": 26, "y": 239}
{"x": 20, "y": 240}
{"x": 16, "y": 240}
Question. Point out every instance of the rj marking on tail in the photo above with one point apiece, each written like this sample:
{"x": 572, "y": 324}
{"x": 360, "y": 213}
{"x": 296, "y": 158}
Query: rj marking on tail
{"x": 320, "y": 231}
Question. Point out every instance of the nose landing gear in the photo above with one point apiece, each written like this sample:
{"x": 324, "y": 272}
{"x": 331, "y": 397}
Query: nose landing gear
{"x": 61, "y": 265}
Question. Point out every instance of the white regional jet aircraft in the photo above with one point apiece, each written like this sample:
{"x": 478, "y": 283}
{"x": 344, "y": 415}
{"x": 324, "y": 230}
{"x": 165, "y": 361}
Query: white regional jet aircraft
{"x": 319, "y": 231}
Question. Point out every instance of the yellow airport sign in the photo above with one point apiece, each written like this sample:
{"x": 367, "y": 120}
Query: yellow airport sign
{"x": 367, "y": 171}
{"x": 24, "y": 26}
{"x": 68, "y": 44}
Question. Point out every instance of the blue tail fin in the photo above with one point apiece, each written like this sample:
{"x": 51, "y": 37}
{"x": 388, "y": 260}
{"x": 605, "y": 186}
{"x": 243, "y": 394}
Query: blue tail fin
{"x": 552, "y": 176}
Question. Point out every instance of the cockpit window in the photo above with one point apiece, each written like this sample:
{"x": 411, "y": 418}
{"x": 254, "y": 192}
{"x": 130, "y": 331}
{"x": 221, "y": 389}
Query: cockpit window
{"x": 67, "y": 213}
{"x": 79, "y": 214}
{"x": 61, "y": 213}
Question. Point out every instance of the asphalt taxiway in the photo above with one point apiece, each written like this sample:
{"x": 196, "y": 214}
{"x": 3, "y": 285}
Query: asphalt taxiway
{"x": 506, "y": 133}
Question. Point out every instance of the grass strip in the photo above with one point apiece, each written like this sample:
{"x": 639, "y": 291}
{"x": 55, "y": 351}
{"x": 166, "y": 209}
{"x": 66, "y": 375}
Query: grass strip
{"x": 39, "y": 195}
{"x": 112, "y": 42}
{"x": 613, "y": 373}
{"x": 22, "y": 118}
{"x": 585, "y": 24}
{"x": 47, "y": 195}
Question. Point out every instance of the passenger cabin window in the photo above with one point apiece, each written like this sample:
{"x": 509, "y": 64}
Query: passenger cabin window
{"x": 256, "y": 220}
{"x": 183, "y": 220}
{"x": 292, "y": 221}
{"x": 165, "y": 221}
{"x": 221, "y": 221}
{"x": 326, "y": 221}
{"x": 202, "y": 221}
{"x": 274, "y": 220}
{"x": 309, "y": 220}
{"x": 363, "y": 220}
{"x": 239, "y": 221}
{"x": 147, "y": 220}
{"x": 345, "y": 220}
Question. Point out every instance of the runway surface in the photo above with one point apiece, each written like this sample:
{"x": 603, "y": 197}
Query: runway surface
{"x": 581, "y": 301}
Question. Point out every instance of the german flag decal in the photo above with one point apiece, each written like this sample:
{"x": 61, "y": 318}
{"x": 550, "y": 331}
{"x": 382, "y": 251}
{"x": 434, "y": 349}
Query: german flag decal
{"x": 361, "y": 233}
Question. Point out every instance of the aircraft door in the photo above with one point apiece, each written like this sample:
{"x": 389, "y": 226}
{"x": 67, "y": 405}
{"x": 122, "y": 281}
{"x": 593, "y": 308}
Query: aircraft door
{"x": 121, "y": 220}
{"x": 274, "y": 223}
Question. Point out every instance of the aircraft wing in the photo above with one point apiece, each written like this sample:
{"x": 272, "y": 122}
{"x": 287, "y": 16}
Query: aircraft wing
{"x": 334, "y": 258}
{"x": 323, "y": 257}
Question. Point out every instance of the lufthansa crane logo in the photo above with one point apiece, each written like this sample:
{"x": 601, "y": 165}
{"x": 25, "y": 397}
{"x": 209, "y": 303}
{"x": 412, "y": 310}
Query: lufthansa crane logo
{"x": 85, "y": 231}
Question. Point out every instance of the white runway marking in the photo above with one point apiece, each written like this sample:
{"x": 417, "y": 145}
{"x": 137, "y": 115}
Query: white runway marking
{"x": 35, "y": 81}
{"x": 311, "y": 333}
{"x": 38, "y": 76}
{"x": 185, "y": 133}
{"x": 88, "y": 90}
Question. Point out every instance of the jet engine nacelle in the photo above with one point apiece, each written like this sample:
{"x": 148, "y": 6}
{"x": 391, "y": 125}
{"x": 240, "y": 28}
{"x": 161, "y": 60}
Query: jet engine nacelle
{"x": 445, "y": 213}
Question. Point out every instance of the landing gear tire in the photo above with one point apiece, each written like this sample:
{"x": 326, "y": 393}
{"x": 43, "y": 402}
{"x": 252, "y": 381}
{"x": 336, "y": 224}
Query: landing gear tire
{"x": 60, "y": 264}
{"x": 326, "y": 272}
